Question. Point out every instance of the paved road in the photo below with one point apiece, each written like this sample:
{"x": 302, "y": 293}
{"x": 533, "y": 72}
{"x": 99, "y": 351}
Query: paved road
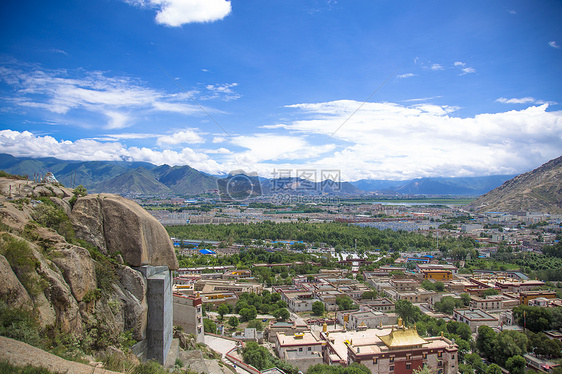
{"x": 223, "y": 346}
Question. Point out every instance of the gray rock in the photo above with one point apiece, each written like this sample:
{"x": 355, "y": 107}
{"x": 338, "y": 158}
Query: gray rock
{"x": 78, "y": 270}
{"x": 124, "y": 227}
{"x": 11, "y": 289}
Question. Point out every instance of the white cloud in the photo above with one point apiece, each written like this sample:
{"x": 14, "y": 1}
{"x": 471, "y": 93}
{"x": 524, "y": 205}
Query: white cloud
{"x": 118, "y": 100}
{"x": 511, "y": 11}
{"x": 223, "y": 92}
{"x": 421, "y": 99}
{"x": 26, "y": 144}
{"x": 124, "y": 136}
{"x": 58, "y": 51}
{"x": 523, "y": 100}
{"x": 407, "y": 75}
{"x": 182, "y": 108}
{"x": 187, "y": 136}
{"x": 178, "y": 12}
{"x": 436, "y": 67}
{"x": 553, "y": 44}
{"x": 386, "y": 140}
{"x": 464, "y": 69}
{"x": 220, "y": 151}
{"x": 274, "y": 147}
{"x": 380, "y": 141}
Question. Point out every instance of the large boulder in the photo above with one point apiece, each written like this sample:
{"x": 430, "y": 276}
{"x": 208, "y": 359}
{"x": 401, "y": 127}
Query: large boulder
{"x": 115, "y": 224}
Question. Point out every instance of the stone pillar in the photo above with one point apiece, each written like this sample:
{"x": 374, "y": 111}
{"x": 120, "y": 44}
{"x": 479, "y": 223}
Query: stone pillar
{"x": 159, "y": 329}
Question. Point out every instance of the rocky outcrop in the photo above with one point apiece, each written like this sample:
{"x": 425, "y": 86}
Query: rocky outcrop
{"x": 74, "y": 290}
{"x": 10, "y": 287}
{"x": 539, "y": 190}
{"x": 115, "y": 224}
{"x": 59, "y": 294}
{"x": 78, "y": 269}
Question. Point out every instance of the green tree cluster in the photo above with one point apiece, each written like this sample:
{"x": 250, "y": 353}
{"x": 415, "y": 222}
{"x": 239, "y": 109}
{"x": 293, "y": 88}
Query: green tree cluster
{"x": 433, "y": 286}
{"x": 333, "y": 233}
{"x": 345, "y": 302}
{"x": 260, "y": 358}
{"x": 498, "y": 348}
{"x": 447, "y": 304}
{"x": 538, "y": 319}
{"x": 318, "y": 308}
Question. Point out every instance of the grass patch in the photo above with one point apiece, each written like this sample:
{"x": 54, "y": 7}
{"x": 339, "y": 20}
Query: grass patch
{"x": 4, "y": 174}
{"x": 23, "y": 263}
{"x": 19, "y": 324}
{"x": 8, "y": 368}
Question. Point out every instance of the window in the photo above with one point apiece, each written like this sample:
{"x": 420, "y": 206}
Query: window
{"x": 300, "y": 349}
{"x": 392, "y": 368}
{"x": 425, "y": 356}
{"x": 374, "y": 361}
{"x": 453, "y": 356}
{"x": 440, "y": 363}
{"x": 310, "y": 349}
{"x": 440, "y": 354}
{"x": 408, "y": 366}
{"x": 392, "y": 359}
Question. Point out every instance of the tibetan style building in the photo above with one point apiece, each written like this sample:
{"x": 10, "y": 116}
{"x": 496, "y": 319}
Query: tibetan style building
{"x": 394, "y": 350}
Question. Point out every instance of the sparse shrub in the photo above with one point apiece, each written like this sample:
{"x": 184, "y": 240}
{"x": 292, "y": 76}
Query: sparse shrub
{"x": 23, "y": 263}
{"x": 51, "y": 216}
{"x": 150, "y": 367}
{"x": 19, "y": 324}
{"x": 178, "y": 363}
{"x": 117, "y": 361}
{"x": 6, "y": 367}
{"x": 92, "y": 295}
{"x": 4, "y": 174}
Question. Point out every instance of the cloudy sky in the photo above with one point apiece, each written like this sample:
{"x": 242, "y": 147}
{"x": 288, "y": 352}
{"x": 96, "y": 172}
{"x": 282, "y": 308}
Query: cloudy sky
{"x": 377, "y": 89}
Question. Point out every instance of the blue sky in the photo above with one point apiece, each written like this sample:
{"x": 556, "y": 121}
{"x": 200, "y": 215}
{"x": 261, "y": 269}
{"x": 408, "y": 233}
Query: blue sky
{"x": 376, "y": 89}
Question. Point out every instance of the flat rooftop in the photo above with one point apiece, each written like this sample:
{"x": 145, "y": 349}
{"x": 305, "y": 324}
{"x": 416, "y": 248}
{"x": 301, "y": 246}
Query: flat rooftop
{"x": 475, "y": 315}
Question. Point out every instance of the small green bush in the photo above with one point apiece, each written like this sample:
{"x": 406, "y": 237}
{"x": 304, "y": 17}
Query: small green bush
{"x": 6, "y": 367}
{"x": 19, "y": 324}
{"x": 23, "y": 263}
{"x": 178, "y": 363}
{"x": 150, "y": 367}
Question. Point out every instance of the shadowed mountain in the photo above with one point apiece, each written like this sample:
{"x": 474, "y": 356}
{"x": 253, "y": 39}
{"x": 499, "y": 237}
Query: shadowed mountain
{"x": 296, "y": 186}
{"x": 184, "y": 180}
{"x": 137, "y": 181}
{"x": 539, "y": 190}
{"x": 120, "y": 177}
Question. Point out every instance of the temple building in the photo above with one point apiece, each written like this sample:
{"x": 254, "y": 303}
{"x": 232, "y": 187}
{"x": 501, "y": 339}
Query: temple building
{"x": 391, "y": 350}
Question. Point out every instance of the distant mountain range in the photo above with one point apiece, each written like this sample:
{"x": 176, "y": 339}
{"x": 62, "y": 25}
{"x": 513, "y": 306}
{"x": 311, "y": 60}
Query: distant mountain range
{"x": 473, "y": 186}
{"x": 539, "y": 190}
{"x": 119, "y": 177}
{"x": 123, "y": 177}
